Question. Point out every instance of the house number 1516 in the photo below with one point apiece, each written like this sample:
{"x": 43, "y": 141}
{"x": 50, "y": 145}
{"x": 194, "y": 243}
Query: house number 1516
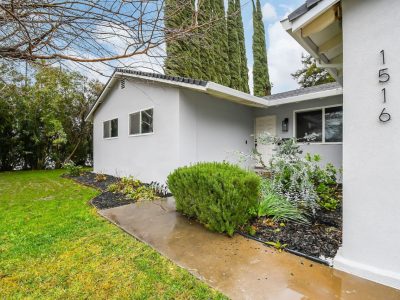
{"x": 384, "y": 78}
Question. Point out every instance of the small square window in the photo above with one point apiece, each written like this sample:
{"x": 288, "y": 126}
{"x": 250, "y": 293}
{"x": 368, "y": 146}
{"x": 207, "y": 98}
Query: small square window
{"x": 106, "y": 129}
{"x": 134, "y": 123}
{"x": 147, "y": 121}
{"x": 110, "y": 128}
{"x": 114, "y": 128}
{"x": 141, "y": 122}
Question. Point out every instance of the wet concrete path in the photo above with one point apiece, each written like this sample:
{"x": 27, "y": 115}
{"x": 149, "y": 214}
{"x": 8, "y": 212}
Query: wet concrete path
{"x": 238, "y": 267}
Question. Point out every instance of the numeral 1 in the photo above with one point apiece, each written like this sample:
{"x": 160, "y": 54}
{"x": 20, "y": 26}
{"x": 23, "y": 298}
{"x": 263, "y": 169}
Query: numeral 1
{"x": 383, "y": 56}
{"x": 384, "y": 95}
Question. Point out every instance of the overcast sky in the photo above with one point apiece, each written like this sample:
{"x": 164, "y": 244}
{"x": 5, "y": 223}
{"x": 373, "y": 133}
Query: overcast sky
{"x": 284, "y": 54}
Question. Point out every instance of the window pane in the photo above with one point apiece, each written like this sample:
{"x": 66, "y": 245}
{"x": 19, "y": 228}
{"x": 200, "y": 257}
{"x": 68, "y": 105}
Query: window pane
{"x": 334, "y": 124}
{"x": 114, "y": 128}
{"x": 134, "y": 123}
{"x": 309, "y": 123}
{"x": 106, "y": 129}
{"x": 147, "y": 121}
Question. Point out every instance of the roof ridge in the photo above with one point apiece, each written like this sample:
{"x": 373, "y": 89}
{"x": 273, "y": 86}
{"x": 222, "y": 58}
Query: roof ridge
{"x": 163, "y": 76}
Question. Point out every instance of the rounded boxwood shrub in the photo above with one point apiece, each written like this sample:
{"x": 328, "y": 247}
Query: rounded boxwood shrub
{"x": 218, "y": 195}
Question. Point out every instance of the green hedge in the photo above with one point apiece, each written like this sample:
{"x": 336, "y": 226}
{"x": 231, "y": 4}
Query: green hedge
{"x": 219, "y": 195}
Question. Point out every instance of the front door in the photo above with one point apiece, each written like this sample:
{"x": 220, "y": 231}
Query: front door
{"x": 265, "y": 124}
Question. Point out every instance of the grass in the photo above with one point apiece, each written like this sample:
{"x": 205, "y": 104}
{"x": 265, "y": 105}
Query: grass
{"x": 54, "y": 246}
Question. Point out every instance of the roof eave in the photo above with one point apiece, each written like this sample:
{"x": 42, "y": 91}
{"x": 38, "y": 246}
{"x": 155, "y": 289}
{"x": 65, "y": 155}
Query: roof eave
{"x": 305, "y": 97}
{"x": 210, "y": 88}
{"x": 293, "y": 28}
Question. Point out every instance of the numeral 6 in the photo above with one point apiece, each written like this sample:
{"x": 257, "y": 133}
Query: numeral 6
{"x": 383, "y": 75}
{"x": 384, "y": 116}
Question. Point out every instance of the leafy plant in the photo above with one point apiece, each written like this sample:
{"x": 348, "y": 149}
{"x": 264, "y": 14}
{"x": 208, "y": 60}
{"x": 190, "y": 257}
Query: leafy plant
{"x": 100, "y": 177}
{"x": 277, "y": 245}
{"x": 221, "y": 196}
{"x": 143, "y": 193}
{"x": 277, "y": 207}
{"x": 299, "y": 178}
{"x": 251, "y": 230}
{"x": 125, "y": 185}
{"x": 133, "y": 188}
{"x": 72, "y": 169}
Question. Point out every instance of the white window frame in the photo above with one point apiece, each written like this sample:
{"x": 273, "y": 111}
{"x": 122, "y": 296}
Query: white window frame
{"x": 140, "y": 122}
{"x": 111, "y": 137}
{"x": 323, "y": 124}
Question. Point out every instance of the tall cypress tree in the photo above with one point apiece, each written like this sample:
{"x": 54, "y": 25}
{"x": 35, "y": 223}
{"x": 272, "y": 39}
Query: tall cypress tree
{"x": 181, "y": 51}
{"x": 207, "y": 50}
{"x": 262, "y": 85}
{"x": 220, "y": 38}
{"x": 244, "y": 72}
{"x": 233, "y": 47}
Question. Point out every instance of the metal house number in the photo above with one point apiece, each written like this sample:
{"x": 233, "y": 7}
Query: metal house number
{"x": 384, "y": 78}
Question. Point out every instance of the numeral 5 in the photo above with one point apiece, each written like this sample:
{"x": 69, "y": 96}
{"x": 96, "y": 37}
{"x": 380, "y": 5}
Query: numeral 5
{"x": 383, "y": 75}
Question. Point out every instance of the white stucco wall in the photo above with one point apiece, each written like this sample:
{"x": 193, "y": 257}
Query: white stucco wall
{"x": 211, "y": 129}
{"x": 330, "y": 153}
{"x": 371, "y": 153}
{"x": 189, "y": 127}
{"x": 148, "y": 157}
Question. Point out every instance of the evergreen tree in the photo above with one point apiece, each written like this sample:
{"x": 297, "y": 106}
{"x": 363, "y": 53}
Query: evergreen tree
{"x": 206, "y": 34}
{"x": 262, "y": 85}
{"x": 221, "y": 43}
{"x": 182, "y": 53}
{"x": 244, "y": 72}
{"x": 233, "y": 47}
{"x": 310, "y": 74}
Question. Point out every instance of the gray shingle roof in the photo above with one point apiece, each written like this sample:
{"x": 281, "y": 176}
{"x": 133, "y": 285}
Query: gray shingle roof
{"x": 305, "y": 91}
{"x": 162, "y": 76}
{"x": 303, "y": 9}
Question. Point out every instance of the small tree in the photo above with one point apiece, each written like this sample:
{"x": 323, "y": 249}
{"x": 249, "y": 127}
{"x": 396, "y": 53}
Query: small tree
{"x": 310, "y": 74}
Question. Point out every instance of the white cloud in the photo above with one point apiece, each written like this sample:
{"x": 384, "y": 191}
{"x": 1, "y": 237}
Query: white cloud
{"x": 269, "y": 12}
{"x": 284, "y": 58}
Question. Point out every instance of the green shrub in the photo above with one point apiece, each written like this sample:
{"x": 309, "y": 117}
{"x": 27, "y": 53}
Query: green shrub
{"x": 72, "y": 169}
{"x": 218, "y": 195}
{"x": 277, "y": 207}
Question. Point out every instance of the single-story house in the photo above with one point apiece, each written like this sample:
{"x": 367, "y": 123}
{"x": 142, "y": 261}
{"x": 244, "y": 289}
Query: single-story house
{"x": 146, "y": 125}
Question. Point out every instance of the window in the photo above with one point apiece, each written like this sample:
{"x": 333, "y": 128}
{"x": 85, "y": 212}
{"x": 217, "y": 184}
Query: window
{"x": 110, "y": 128}
{"x": 334, "y": 124}
{"x": 325, "y": 124}
{"x": 141, "y": 122}
{"x": 309, "y": 123}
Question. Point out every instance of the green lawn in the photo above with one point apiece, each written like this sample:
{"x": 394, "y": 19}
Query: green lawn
{"x": 53, "y": 245}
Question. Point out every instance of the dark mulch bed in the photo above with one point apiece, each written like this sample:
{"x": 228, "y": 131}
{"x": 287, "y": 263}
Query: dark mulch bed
{"x": 109, "y": 200}
{"x": 321, "y": 238}
{"x": 89, "y": 179}
{"x": 105, "y": 199}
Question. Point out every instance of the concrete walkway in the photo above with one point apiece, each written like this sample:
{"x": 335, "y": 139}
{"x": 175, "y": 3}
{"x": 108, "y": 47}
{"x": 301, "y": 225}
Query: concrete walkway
{"x": 238, "y": 267}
